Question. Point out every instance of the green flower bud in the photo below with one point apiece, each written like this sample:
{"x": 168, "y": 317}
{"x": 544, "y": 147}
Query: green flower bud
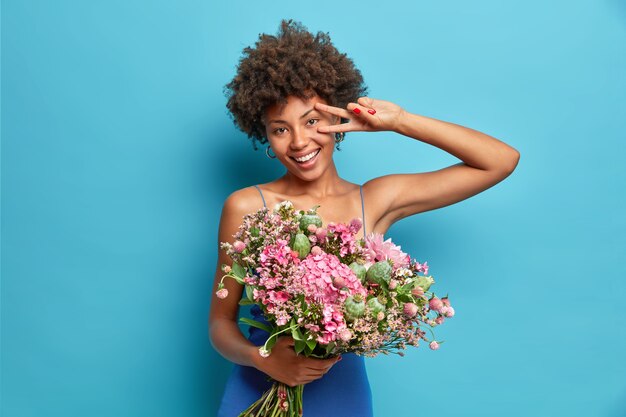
{"x": 359, "y": 270}
{"x": 425, "y": 282}
{"x": 355, "y": 307}
{"x": 302, "y": 245}
{"x": 379, "y": 272}
{"x": 375, "y": 305}
{"x": 308, "y": 219}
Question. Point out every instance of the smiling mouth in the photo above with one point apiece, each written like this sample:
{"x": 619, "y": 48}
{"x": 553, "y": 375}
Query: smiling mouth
{"x": 309, "y": 159}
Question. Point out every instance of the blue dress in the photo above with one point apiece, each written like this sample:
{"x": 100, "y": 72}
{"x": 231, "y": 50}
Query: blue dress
{"x": 344, "y": 391}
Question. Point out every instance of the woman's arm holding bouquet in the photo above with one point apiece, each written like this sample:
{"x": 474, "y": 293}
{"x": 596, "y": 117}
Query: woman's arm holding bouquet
{"x": 224, "y": 332}
{"x": 283, "y": 364}
{"x": 486, "y": 160}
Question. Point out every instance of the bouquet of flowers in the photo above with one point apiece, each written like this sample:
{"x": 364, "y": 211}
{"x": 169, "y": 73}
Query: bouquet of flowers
{"x": 331, "y": 292}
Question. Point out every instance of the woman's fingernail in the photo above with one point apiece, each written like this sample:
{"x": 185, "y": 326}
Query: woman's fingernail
{"x": 340, "y": 358}
{"x": 356, "y": 110}
{"x": 371, "y": 111}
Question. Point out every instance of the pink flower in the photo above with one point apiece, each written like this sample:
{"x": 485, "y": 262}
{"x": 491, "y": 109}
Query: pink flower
{"x": 393, "y": 284}
{"x": 434, "y": 345}
{"x": 410, "y": 309}
{"x": 355, "y": 225}
{"x": 320, "y": 233}
{"x": 325, "y": 338}
{"x": 312, "y": 327}
{"x": 311, "y": 228}
{"x": 445, "y": 301}
{"x": 278, "y": 296}
{"x": 449, "y": 312}
{"x": 239, "y": 246}
{"x": 279, "y": 252}
{"x": 223, "y": 293}
{"x": 439, "y": 320}
{"x": 377, "y": 249}
{"x": 417, "y": 291}
{"x": 339, "y": 282}
{"x": 435, "y": 304}
{"x": 318, "y": 274}
{"x": 345, "y": 335}
{"x": 345, "y": 236}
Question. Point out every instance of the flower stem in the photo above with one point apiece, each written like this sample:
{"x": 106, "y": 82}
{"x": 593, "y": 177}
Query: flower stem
{"x": 276, "y": 334}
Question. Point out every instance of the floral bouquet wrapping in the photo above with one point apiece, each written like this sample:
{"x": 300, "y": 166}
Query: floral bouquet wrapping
{"x": 331, "y": 292}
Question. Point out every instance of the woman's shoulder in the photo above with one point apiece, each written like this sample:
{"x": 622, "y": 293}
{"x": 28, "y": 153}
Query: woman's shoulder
{"x": 244, "y": 200}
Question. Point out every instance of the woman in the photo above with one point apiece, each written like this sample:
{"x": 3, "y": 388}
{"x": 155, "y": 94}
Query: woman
{"x": 293, "y": 90}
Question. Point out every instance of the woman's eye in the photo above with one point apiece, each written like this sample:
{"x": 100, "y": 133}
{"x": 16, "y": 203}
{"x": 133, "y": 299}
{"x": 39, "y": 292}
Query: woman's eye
{"x": 279, "y": 130}
{"x": 313, "y": 120}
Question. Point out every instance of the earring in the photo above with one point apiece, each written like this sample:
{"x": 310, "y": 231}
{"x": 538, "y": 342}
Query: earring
{"x": 339, "y": 136}
{"x": 267, "y": 152}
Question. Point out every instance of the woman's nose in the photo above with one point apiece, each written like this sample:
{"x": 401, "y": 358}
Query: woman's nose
{"x": 299, "y": 139}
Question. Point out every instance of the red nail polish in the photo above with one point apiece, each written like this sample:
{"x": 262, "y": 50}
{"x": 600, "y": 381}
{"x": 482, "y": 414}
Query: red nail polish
{"x": 371, "y": 111}
{"x": 356, "y": 110}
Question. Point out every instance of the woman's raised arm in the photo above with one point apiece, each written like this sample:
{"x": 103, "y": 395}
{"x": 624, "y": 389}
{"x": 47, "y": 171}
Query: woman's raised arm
{"x": 486, "y": 160}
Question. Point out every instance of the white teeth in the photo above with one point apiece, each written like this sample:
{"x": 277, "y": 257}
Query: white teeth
{"x": 307, "y": 157}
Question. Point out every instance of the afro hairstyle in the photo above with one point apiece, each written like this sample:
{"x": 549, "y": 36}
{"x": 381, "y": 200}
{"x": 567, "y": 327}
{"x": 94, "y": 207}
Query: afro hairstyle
{"x": 295, "y": 62}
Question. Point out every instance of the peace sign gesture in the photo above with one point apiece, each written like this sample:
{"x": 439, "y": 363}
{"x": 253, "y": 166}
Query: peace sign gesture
{"x": 369, "y": 115}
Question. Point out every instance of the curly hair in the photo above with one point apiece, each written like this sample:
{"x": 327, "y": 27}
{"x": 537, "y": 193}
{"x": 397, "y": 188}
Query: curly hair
{"x": 293, "y": 63}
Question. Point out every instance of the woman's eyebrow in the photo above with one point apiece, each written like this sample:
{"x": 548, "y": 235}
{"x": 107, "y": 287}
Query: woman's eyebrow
{"x": 304, "y": 115}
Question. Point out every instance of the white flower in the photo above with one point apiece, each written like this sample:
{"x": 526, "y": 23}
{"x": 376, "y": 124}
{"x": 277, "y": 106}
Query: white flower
{"x": 264, "y": 352}
{"x": 283, "y": 204}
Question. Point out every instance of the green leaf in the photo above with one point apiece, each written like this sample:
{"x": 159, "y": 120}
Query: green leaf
{"x": 239, "y": 271}
{"x": 297, "y": 334}
{"x": 299, "y": 346}
{"x": 245, "y": 302}
{"x": 311, "y": 343}
{"x": 256, "y": 324}
{"x": 405, "y": 298}
{"x": 249, "y": 293}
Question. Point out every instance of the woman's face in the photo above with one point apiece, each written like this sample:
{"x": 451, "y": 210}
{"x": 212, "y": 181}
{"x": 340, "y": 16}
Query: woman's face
{"x": 292, "y": 133}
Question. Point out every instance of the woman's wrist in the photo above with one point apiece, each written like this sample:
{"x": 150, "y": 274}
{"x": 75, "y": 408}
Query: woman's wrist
{"x": 254, "y": 357}
{"x": 407, "y": 123}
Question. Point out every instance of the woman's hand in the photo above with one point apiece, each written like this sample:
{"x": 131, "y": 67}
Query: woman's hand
{"x": 285, "y": 366}
{"x": 368, "y": 115}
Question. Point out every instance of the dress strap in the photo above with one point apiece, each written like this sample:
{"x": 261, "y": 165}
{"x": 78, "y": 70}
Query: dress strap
{"x": 363, "y": 210}
{"x": 257, "y": 187}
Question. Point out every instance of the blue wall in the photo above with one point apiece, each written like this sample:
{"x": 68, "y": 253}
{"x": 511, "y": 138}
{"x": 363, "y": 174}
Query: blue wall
{"x": 117, "y": 154}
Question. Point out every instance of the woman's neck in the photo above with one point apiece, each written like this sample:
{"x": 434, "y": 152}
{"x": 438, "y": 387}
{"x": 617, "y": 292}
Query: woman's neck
{"x": 327, "y": 184}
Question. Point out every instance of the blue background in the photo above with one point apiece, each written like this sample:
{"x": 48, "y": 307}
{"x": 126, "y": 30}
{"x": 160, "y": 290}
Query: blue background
{"x": 117, "y": 154}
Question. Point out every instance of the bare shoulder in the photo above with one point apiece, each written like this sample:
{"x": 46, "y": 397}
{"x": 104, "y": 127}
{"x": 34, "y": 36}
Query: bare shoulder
{"x": 243, "y": 201}
{"x": 378, "y": 198}
{"x": 236, "y": 206}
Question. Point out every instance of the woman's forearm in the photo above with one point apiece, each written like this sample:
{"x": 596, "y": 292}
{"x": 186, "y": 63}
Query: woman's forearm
{"x": 471, "y": 146}
{"x": 231, "y": 344}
